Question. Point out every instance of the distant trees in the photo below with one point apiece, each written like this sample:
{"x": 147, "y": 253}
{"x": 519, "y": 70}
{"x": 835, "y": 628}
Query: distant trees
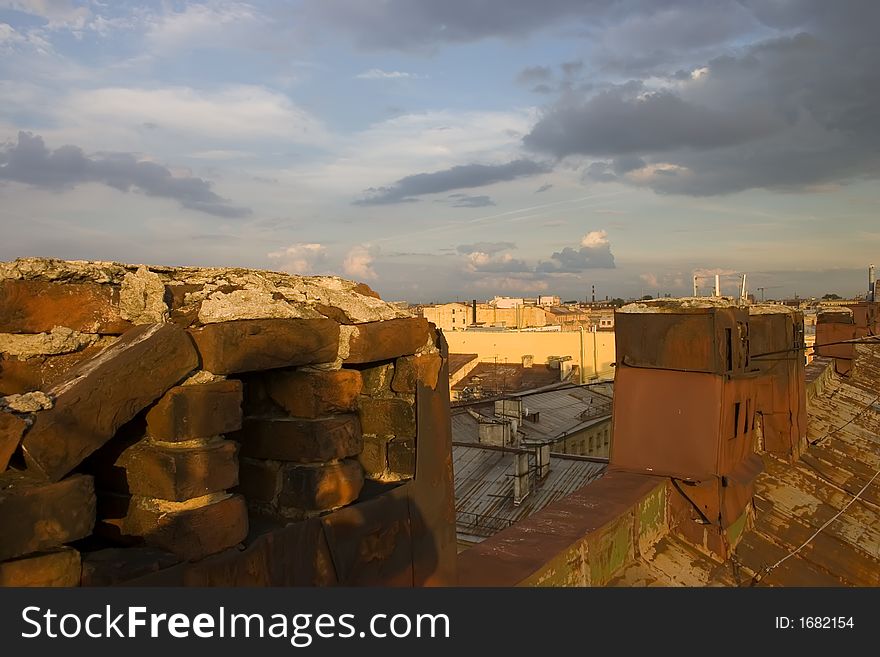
{"x": 832, "y": 296}
{"x": 647, "y": 297}
{"x": 617, "y": 301}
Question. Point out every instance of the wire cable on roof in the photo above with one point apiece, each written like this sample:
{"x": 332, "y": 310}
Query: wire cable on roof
{"x": 757, "y": 578}
{"x": 845, "y": 424}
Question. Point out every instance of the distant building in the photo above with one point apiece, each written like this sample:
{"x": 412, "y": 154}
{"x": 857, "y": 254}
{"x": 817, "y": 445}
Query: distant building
{"x": 507, "y": 302}
{"x": 448, "y": 316}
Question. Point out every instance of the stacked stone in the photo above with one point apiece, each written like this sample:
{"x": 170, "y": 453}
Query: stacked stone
{"x": 105, "y": 355}
{"x": 32, "y": 550}
{"x": 169, "y": 488}
{"x": 300, "y": 442}
{"x": 395, "y": 356}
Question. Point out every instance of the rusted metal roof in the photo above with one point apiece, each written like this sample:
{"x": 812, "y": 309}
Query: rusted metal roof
{"x": 808, "y": 528}
{"x": 506, "y": 377}
{"x": 560, "y": 411}
{"x": 457, "y": 361}
{"x": 484, "y": 487}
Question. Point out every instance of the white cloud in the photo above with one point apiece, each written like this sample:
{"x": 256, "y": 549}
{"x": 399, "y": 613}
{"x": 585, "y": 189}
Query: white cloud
{"x": 359, "y": 263}
{"x": 205, "y": 25}
{"x": 59, "y": 13}
{"x": 379, "y": 74}
{"x": 300, "y": 258}
{"x": 419, "y": 142}
{"x": 595, "y": 238}
{"x": 235, "y": 112}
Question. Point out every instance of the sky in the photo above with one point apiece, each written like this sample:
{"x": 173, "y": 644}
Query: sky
{"x": 450, "y": 150}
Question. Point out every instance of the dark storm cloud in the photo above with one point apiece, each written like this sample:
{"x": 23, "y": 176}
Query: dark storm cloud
{"x": 485, "y": 247}
{"x": 794, "y": 109}
{"x": 29, "y": 161}
{"x": 420, "y": 24}
{"x": 464, "y": 176}
{"x": 628, "y": 120}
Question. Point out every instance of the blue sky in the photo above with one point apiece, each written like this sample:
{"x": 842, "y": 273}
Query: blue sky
{"x": 449, "y": 150}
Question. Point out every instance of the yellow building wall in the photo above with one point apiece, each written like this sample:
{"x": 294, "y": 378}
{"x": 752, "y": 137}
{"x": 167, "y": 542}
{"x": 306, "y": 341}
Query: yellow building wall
{"x": 595, "y": 356}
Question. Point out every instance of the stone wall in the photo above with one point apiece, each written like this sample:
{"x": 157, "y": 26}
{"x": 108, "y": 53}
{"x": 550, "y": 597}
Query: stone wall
{"x": 218, "y": 427}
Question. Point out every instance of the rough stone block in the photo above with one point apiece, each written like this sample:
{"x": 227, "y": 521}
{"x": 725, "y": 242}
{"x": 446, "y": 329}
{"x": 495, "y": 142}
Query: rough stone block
{"x": 320, "y": 488}
{"x": 190, "y": 530}
{"x": 171, "y": 471}
{"x": 314, "y": 394}
{"x": 105, "y": 392}
{"x": 389, "y": 339}
{"x": 410, "y": 370}
{"x": 113, "y": 566}
{"x": 262, "y": 344}
{"x": 36, "y": 516}
{"x": 300, "y": 440}
{"x": 59, "y": 568}
{"x": 402, "y": 458}
{"x": 387, "y": 417}
{"x": 18, "y": 375}
{"x": 196, "y": 411}
{"x": 258, "y": 480}
{"x": 377, "y": 380}
{"x": 374, "y": 457}
{"x": 39, "y": 306}
{"x": 12, "y": 428}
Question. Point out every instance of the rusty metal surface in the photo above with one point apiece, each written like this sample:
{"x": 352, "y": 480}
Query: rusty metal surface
{"x": 432, "y": 495}
{"x": 686, "y": 339}
{"x": 560, "y": 411}
{"x": 661, "y": 420}
{"x": 794, "y": 500}
{"x": 484, "y": 487}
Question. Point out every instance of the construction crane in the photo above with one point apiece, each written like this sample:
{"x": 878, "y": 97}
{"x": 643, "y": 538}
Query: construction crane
{"x": 769, "y": 287}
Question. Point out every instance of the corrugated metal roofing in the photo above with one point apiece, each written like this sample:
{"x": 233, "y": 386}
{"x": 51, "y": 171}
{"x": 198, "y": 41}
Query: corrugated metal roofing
{"x": 560, "y": 411}
{"x": 484, "y": 487}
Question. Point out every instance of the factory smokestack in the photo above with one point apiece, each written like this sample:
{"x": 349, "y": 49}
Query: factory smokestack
{"x": 872, "y": 284}
{"x": 474, "y": 312}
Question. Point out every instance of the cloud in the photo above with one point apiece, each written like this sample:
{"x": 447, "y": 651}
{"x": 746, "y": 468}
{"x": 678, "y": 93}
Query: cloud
{"x": 358, "y": 263}
{"x": 29, "y": 161}
{"x": 533, "y": 74}
{"x": 300, "y": 258}
{"x": 422, "y": 24}
{"x": 594, "y": 253}
{"x": 235, "y": 112}
{"x": 466, "y": 201}
{"x": 379, "y": 74}
{"x": 485, "y": 247}
{"x": 501, "y": 263}
{"x": 627, "y": 119}
{"x": 794, "y": 111}
{"x": 458, "y": 177}
{"x": 58, "y": 13}
{"x": 207, "y": 25}
{"x": 543, "y": 188}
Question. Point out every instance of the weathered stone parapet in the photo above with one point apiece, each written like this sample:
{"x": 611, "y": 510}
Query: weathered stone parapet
{"x": 207, "y": 427}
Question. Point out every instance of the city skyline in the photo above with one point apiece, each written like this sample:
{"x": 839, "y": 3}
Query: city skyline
{"x": 434, "y": 150}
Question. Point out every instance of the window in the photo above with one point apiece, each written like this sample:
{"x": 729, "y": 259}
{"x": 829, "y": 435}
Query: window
{"x": 735, "y": 418}
{"x": 729, "y": 333}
